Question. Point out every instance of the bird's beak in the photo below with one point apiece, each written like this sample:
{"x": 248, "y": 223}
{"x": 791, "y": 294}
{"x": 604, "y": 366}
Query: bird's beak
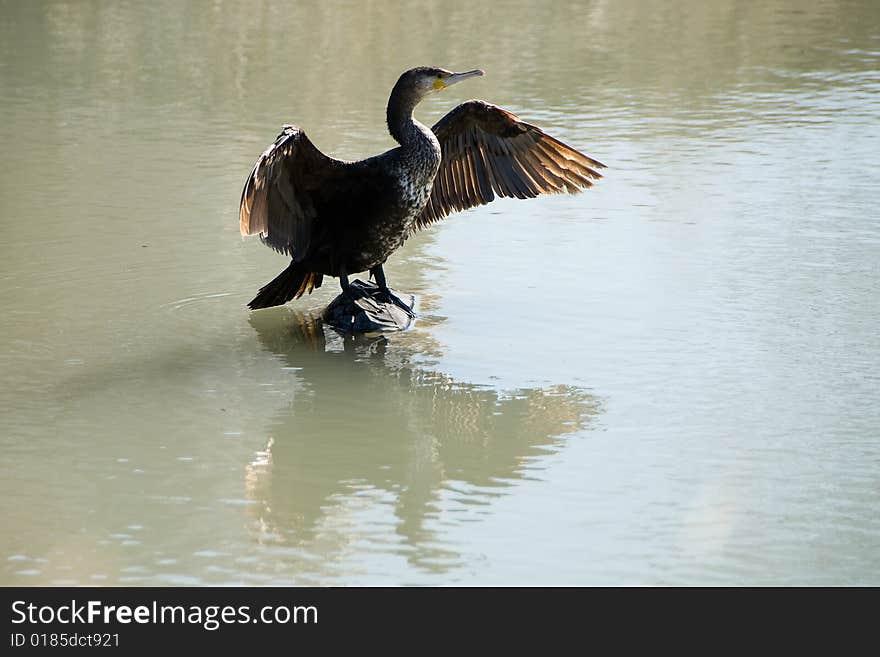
{"x": 449, "y": 80}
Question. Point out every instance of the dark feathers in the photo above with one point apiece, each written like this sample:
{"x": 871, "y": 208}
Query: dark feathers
{"x": 336, "y": 218}
{"x": 488, "y": 151}
{"x": 277, "y": 200}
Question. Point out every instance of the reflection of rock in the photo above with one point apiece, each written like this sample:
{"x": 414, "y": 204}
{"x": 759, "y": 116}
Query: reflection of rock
{"x": 364, "y": 308}
{"x": 368, "y": 419}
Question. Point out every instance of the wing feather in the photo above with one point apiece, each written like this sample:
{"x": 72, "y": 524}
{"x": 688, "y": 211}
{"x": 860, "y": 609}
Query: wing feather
{"x": 488, "y": 152}
{"x": 276, "y": 202}
{"x": 482, "y": 176}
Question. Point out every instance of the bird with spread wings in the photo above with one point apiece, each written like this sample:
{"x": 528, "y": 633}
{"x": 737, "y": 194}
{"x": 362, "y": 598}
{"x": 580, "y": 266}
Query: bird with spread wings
{"x": 334, "y": 217}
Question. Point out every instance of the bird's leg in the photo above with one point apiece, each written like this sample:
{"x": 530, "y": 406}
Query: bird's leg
{"x": 384, "y": 293}
{"x": 379, "y": 274}
{"x": 343, "y": 282}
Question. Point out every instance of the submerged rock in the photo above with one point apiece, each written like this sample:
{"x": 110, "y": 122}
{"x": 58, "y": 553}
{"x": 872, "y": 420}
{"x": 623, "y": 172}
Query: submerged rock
{"x": 366, "y": 309}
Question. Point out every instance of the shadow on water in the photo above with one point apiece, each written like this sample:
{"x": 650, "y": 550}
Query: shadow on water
{"x": 368, "y": 418}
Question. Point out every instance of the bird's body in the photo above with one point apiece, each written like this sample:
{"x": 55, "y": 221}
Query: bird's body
{"x": 366, "y": 208}
{"x": 336, "y": 218}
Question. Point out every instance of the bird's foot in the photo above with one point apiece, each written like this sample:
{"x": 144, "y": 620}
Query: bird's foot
{"x": 385, "y": 295}
{"x": 367, "y": 307}
{"x": 354, "y": 292}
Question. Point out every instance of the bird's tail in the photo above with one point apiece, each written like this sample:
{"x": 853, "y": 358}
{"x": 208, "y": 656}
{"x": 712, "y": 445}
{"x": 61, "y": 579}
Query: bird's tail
{"x": 292, "y": 283}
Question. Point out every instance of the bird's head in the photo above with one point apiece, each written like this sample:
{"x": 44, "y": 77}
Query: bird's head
{"x": 426, "y": 80}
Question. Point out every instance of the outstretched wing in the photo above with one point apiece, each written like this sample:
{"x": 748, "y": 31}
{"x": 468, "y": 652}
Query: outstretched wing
{"x": 488, "y": 150}
{"x": 278, "y": 199}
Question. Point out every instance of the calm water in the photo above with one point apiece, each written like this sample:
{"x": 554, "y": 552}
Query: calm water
{"x": 672, "y": 378}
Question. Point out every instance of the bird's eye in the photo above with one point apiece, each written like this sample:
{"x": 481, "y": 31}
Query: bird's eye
{"x": 439, "y": 75}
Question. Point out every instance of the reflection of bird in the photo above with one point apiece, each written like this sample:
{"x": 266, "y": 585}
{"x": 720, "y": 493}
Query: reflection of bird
{"x": 429, "y": 441}
{"x": 335, "y": 218}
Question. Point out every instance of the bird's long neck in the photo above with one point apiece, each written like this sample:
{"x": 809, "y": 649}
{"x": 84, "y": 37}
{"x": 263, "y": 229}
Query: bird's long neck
{"x": 408, "y": 132}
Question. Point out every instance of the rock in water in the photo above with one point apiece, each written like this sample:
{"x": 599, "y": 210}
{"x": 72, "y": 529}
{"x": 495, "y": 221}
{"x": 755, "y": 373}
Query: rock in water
{"x": 365, "y": 309}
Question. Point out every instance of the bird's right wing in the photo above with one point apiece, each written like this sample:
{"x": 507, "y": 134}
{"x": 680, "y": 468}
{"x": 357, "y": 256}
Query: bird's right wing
{"x": 277, "y": 201}
{"x": 488, "y": 151}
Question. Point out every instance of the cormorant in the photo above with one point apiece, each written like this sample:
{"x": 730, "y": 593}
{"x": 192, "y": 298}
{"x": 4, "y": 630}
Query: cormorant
{"x": 336, "y": 218}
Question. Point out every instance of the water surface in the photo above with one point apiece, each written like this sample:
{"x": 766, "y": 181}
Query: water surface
{"x": 670, "y": 379}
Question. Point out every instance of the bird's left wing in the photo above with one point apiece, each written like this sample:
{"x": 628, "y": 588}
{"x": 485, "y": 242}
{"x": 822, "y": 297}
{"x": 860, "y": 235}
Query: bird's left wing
{"x": 488, "y": 151}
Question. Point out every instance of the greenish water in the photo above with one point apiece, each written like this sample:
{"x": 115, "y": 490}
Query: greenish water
{"x": 670, "y": 379}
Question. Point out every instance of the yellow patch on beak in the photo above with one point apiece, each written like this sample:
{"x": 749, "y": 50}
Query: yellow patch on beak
{"x": 439, "y": 84}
